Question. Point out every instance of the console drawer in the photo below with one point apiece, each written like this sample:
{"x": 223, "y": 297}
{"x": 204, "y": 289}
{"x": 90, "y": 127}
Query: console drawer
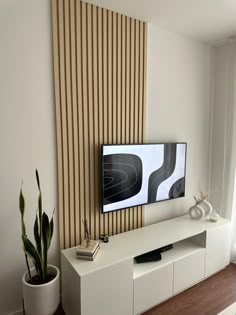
{"x": 189, "y": 270}
{"x": 152, "y": 288}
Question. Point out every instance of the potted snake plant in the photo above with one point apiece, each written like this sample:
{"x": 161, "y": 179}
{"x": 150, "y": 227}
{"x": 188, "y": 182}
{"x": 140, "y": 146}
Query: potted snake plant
{"x": 41, "y": 287}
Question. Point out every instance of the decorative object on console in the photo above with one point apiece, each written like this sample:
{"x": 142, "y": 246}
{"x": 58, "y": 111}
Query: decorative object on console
{"x": 165, "y": 248}
{"x": 201, "y": 208}
{"x": 203, "y": 203}
{"x": 88, "y": 249}
{"x": 104, "y": 238}
{"x": 87, "y": 232}
{"x": 206, "y": 206}
{"x": 196, "y": 212}
{"x": 214, "y": 216}
{"x": 154, "y": 255}
{"x": 41, "y": 284}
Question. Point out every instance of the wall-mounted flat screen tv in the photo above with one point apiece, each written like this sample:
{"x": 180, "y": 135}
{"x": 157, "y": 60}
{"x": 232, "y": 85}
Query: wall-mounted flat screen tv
{"x": 138, "y": 174}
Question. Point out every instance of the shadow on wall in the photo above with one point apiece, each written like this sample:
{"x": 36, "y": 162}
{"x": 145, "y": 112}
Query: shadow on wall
{"x": 12, "y": 282}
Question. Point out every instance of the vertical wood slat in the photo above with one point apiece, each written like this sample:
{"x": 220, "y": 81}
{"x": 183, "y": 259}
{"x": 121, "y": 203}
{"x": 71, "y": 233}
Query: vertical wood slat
{"x": 136, "y": 100}
{"x": 109, "y": 98}
{"x": 96, "y": 119}
{"x": 115, "y": 218}
{"x": 69, "y": 122}
{"x": 85, "y": 107}
{"x": 130, "y": 95}
{"x": 80, "y": 141}
{"x": 90, "y": 119}
{"x": 123, "y": 95}
{"x": 100, "y": 91}
{"x": 105, "y": 105}
{"x": 74, "y": 176}
{"x": 100, "y": 95}
{"x": 118, "y": 99}
{"x": 141, "y": 105}
{"x": 144, "y": 74}
{"x": 128, "y": 89}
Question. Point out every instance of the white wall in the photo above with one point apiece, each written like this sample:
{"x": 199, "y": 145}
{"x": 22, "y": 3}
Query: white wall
{"x": 178, "y": 109}
{"x": 27, "y": 134}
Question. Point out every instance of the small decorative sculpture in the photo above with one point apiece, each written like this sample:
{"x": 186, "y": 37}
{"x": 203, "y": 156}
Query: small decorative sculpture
{"x": 87, "y": 233}
{"x": 203, "y": 203}
{"x": 214, "y": 216}
{"x": 196, "y": 212}
{"x": 201, "y": 208}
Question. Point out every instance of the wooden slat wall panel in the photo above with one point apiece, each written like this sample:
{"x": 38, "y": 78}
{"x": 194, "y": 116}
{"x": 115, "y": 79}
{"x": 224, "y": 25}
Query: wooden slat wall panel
{"x": 100, "y": 92}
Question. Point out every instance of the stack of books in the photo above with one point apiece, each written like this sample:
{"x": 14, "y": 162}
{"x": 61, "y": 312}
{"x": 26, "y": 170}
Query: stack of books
{"x": 87, "y": 250}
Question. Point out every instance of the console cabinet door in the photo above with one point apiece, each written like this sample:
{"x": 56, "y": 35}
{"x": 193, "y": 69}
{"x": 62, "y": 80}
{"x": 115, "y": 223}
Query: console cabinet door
{"x": 108, "y": 291}
{"x": 153, "y": 288}
{"x": 217, "y": 248}
{"x": 189, "y": 270}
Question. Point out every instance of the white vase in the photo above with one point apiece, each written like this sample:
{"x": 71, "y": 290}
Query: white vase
{"x": 207, "y": 207}
{"x": 42, "y": 299}
{"x": 196, "y": 212}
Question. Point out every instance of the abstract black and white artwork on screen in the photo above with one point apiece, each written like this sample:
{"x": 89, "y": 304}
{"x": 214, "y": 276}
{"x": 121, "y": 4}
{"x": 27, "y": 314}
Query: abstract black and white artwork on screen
{"x": 142, "y": 173}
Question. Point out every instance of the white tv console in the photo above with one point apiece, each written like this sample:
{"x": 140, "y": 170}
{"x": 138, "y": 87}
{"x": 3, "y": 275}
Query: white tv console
{"x": 113, "y": 284}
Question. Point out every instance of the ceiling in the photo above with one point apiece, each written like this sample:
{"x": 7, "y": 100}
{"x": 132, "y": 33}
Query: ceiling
{"x": 205, "y": 20}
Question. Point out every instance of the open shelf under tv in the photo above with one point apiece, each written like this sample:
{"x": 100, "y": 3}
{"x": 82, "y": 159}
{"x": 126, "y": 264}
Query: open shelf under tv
{"x": 180, "y": 249}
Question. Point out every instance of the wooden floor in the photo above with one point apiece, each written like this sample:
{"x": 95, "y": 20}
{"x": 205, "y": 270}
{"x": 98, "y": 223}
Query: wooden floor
{"x": 209, "y": 297}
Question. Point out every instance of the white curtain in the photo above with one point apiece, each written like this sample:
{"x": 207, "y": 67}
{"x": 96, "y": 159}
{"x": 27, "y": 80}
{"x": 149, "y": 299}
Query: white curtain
{"x": 230, "y": 135}
{"x": 223, "y": 158}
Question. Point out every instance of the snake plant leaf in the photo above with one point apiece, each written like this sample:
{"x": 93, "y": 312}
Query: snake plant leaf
{"x": 45, "y": 230}
{"x": 39, "y": 201}
{"x": 45, "y": 237}
{"x": 40, "y": 214}
{"x": 37, "y": 177}
{"x": 37, "y": 236}
{"x": 51, "y": 229}
{"x": 22, "y": 203}
{"x": 40, "y": 205}
{"x": 22, "y": 211}
{"x": 33, "y": 253}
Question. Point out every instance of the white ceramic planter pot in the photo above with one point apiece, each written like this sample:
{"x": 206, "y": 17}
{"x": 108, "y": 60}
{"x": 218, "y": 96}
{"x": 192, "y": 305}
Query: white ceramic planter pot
{"x": 42, "y": 299}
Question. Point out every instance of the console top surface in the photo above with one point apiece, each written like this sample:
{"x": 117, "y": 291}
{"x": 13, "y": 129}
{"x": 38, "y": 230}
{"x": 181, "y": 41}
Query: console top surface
{"x": 130, "y": 244}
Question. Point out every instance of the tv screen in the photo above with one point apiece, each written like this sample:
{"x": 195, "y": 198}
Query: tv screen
{"x": 138, "y": 174}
